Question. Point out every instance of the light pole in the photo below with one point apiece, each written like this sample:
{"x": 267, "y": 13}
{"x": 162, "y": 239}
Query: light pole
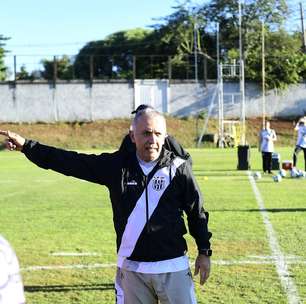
{"x": 242, "y": 92}
{"x": 195, "y": 36}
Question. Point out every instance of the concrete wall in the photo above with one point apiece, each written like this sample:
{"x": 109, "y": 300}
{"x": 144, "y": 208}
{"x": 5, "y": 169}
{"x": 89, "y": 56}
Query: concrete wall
{"x": 76, "y": 101}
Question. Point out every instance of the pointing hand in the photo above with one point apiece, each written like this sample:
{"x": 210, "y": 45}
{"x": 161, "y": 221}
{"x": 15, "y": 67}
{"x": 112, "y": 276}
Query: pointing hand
{"x": 13, "y": 140}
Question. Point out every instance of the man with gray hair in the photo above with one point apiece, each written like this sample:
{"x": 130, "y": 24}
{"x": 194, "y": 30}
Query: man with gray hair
{"x": 150, "y": 190}
{"x": 171, "y": 144}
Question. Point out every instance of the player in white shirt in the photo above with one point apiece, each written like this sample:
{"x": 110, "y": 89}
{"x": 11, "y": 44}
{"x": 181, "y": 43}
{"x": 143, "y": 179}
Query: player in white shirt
{"x": 11, "y": 287}
{"x": 301, "y": 140}
{"x": 267, "y": 137}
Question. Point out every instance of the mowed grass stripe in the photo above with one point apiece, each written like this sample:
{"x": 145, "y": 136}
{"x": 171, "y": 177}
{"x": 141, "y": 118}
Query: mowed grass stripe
{"x": 279, "y": 258}
{"x": 72, "y": 216}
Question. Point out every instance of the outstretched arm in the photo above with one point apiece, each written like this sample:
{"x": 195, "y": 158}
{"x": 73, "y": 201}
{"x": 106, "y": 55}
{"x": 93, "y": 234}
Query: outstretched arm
{"x": 13, "y": 140}
{"x": 90, "y": 167}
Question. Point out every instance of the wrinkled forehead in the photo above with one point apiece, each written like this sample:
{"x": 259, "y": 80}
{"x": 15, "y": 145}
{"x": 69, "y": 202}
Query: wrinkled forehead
{"x": 151, "y": 122}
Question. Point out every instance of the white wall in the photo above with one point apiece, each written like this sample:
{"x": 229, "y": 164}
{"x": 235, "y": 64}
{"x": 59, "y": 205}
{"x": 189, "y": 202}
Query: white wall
{"x": 77, "y": 101}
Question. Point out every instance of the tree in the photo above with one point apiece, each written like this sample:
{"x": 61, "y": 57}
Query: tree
{"x": 23, "y": 74}
{"x": 284, "y": 60}
{"x": 64, "y": 68}
{"x": 183, "y": 34}
{"x": 3, "y": 68}
{"x": 113, "y": 56}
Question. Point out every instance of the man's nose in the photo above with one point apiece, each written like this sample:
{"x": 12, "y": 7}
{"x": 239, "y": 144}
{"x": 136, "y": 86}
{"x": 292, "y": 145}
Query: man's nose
{"x": 152, "y": 138}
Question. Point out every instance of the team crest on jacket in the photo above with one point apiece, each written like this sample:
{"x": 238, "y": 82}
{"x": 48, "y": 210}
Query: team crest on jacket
{"x": 158, "y": 183}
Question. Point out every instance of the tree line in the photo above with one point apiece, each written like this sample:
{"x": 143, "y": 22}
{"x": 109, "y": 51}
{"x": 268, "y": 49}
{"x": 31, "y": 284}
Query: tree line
{"x": 189, "y": 37}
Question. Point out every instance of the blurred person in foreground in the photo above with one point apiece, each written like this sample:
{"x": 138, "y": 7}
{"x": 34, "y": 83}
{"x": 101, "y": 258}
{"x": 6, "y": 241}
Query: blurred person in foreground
{"x": 11, "y": 286}
{"x": 300, "y": 127}
{"x": 150, "y": 190}
{"x": 267, "y": 137}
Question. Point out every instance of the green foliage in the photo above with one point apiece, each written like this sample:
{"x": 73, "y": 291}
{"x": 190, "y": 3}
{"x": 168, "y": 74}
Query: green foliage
{"x": 283, "y": 58}
{"x": 23, "y": 74}
{"x": 113, "y": 56}
{"x": 64, "y": 68}
{"x": 3, "y": 68}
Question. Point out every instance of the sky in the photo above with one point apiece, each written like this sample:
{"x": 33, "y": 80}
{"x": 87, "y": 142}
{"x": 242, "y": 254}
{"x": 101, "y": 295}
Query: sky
{"x": 41, "y": 29}
{"x": 57, "y": 27}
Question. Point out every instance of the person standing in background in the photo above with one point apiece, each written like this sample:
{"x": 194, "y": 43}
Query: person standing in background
{"x": 301, "y": 140}
{"x": 267, "y": 137}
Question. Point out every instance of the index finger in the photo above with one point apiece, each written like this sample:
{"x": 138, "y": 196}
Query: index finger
{"x": 204, "y": 276}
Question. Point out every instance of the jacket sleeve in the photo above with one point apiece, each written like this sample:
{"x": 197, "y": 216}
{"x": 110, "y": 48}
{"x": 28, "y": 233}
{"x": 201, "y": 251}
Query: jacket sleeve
{"x": 90, "y": 167}
{"x": 197, "y": 217}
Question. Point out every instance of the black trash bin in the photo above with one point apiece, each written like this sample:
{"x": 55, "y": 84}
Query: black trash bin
{"x": 243, "y": 158}
{"x": 275, "y": 161}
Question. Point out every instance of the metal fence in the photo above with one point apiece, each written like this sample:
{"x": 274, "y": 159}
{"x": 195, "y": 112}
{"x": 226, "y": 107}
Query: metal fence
{"x": 108, "y": 67}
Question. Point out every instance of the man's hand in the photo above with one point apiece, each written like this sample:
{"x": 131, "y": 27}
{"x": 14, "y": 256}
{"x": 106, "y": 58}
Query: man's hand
{"x": 13, "y": 140}
{"x": 202, "y": 265}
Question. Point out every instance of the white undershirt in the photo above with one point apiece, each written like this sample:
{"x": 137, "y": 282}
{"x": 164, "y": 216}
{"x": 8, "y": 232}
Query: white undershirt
{"x": 146, "y": 167}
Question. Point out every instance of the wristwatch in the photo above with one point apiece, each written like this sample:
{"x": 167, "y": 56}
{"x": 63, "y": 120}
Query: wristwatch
{"x": 207, "y": 252}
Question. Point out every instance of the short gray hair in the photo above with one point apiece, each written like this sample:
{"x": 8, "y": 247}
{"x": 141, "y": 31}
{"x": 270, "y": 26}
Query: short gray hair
{"x": 149, "y": 113}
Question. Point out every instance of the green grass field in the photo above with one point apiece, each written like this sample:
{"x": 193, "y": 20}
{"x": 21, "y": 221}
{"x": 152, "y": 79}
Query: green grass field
{"x": 47, "y": 216}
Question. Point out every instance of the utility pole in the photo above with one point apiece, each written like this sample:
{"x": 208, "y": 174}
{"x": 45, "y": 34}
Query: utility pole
{"x": 242, "y": 92}
{"x": 303, "y": 29}
{"x": 263, "y": 74}
{"x": 195, "y": 37}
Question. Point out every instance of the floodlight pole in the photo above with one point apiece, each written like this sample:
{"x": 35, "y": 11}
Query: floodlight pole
{"x": 303, "y": 29}
{"x": 242, "y": 91}
{"x": 218, "y": 48}
{"x": 195, "y": 28}
{"x": 263, "y": 75}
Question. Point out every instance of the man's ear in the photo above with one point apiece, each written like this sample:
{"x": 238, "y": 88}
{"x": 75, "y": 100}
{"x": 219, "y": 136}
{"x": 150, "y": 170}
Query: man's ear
{"x": 131, "y": 133}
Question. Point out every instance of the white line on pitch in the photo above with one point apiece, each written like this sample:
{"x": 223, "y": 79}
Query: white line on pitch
{"x": 279, "y": 259}
{"x": 215, "y": 262}
{"x": 75, "y": 254}
{"x": 60, "y": 267}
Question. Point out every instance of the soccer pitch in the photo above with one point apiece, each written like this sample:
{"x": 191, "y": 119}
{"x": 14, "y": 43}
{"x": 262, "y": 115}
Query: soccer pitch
{"x": 61, "y": 229}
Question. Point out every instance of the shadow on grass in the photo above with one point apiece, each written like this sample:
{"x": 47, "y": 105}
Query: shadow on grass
{"x": 258, "y": 210}
{"x": 65, "y": 288}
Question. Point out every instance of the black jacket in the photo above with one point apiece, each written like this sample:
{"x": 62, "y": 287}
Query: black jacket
{"x": 161, "y": 236}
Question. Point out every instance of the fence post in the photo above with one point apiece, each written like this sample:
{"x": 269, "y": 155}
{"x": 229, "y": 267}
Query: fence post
{"x": 134, "y": 68}
{"x": 205, "y": 72}
{"x": 169, "y": 68}
{"x": 54, "y": 71}
{"x": 91, "y": 69}
{"x": 15, "y": 69}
